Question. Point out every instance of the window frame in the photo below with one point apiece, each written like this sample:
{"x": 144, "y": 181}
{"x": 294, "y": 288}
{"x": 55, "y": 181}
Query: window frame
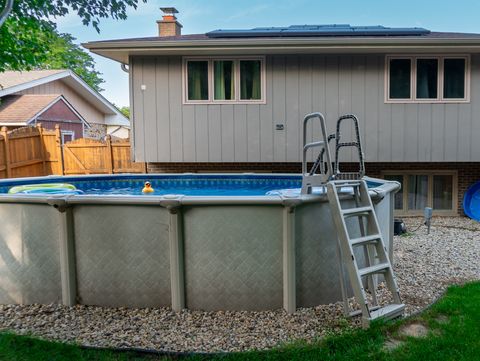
{"x": 430, "y": 174}
{"x": 440, "y": 82}
{"x": 211, "y": 93}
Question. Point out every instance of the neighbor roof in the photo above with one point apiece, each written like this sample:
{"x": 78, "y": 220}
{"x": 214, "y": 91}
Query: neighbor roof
{"x": 23, "y": 108}
{"x": 296, "y": 39}
{"x": 12, "y": 82}
{"x": 12, "y": 78}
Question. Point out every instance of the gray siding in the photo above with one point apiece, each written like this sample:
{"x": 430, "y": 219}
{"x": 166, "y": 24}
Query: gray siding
{"x": 165, "y": 130}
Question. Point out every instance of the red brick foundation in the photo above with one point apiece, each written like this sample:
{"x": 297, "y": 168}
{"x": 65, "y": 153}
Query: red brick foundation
{"x": 468, "y": 173}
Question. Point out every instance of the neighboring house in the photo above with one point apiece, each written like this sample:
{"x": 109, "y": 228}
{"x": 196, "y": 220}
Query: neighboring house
{"x": 59, "y": 97}
{"x": 234, "y": 100}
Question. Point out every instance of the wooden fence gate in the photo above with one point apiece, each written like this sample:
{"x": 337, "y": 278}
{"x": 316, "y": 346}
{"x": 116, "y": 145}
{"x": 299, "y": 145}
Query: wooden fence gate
{"x": 34, "y": 151}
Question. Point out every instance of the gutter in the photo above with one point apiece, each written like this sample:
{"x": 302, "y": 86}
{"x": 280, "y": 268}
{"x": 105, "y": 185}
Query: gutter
{"x": 282, "y": 42}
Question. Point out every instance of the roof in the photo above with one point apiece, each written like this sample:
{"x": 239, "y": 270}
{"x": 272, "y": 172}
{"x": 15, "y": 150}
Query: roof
{"x": 12, "y": 78}
{"x": 296, "y": 39}
{"x": 23, "y": 108}
{"x": 12, "y": 82}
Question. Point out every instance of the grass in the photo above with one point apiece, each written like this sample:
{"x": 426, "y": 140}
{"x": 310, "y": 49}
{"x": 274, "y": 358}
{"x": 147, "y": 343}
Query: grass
{"x": 453, "y": 323}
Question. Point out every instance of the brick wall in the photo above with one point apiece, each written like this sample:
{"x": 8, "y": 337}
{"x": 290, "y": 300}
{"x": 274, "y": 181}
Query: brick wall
{"x": 468, "y": 173}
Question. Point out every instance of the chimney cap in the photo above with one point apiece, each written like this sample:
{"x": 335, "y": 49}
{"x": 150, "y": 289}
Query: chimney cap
{"x": 169, "y": 11}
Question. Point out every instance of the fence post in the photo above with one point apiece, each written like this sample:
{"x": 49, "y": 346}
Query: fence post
{"x": 8, "y": 169}
{"x": 109, "y": 160}
{"x": 42, "y": 148}
{"x": 58, "y": 141}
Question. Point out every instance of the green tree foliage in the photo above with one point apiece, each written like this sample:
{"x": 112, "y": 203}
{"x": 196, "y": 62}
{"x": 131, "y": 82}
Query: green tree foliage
{"x": 63, "y": 53}
{"x": 125, "y": 111}
{"x": 20, "y": 46}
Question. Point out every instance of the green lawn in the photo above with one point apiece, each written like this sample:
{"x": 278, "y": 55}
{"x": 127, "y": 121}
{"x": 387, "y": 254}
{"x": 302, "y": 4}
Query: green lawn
{"x": 453, "y": 323}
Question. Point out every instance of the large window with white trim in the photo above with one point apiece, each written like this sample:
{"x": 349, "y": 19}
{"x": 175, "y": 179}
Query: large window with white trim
{"x": 420, "y": 189}
{"x": 224, "y": 80}
{"x": 427, "y": 79}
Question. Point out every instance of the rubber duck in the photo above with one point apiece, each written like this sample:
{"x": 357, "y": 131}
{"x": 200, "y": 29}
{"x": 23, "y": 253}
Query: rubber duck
{"x": 148, "y": 188}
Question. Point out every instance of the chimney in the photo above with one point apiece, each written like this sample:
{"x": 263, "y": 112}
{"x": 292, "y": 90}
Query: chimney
{"x": 169, "y": 26}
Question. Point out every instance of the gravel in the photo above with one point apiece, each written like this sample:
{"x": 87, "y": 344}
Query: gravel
{"x": 425, "y": 265}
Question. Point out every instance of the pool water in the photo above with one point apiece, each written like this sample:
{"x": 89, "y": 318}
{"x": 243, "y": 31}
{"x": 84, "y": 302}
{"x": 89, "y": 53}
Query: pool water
{"x": 190, "y": 185}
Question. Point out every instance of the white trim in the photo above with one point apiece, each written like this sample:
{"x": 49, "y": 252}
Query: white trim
{"x": 108, "y": 108}
{"x": 236, "y": 64}
{"x": 440, "y": 75}
{"x": 33, "y": 83}
{"x": 66, "y": 132}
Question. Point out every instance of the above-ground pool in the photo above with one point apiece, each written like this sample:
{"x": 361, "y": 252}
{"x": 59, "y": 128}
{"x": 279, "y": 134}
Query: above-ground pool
{"x": 209, "y": 242}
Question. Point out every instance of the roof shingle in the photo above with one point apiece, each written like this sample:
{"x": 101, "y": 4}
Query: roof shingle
{"x": 22, "y": 108}
{"x": 9, "y": 79}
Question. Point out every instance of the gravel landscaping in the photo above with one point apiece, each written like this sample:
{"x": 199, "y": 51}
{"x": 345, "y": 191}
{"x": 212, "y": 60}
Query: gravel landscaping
{"x": 425, "y": 265}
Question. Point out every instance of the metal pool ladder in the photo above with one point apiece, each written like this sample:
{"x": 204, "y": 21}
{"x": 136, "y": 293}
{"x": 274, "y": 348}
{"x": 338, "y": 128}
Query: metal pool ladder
{"x": 370, "y": 239}
{"x": 311, "y": 178}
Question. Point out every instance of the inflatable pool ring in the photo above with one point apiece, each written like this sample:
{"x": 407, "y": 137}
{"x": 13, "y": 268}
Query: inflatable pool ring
{"x": 47, "y": 188}
{"x": 148, "y": 188}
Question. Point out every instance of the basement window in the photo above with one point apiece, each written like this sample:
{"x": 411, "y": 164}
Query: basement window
{"x": 224, "y": 80}
{"x": 435, "y": 189}
{"x": 427, "y": 79}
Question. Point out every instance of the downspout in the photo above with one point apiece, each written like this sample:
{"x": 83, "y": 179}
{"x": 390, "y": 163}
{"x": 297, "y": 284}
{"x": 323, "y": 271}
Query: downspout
{"x": 6, "y": 11}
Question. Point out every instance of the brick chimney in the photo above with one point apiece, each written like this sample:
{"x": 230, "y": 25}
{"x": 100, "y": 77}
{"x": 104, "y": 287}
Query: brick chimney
{"x": 169, "y": 26}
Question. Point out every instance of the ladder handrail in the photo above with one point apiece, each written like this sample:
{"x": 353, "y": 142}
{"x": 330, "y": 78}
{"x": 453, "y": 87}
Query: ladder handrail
{"x": 357, "y": 143}
{"x": 321, "y": 143}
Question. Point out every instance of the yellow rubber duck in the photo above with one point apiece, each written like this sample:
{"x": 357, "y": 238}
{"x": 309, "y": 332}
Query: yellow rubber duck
{"x": 148, "y": 188}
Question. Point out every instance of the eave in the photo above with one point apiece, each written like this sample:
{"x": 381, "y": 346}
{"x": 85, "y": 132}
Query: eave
{"x": 121, "y": 50}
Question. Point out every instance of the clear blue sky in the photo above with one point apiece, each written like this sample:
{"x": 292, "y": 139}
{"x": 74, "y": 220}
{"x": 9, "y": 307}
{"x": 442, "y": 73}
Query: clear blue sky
{"x": 199, "y": 16}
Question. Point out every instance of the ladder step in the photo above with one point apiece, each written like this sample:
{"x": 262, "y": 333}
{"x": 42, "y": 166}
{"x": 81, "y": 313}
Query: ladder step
{"x": 363, "y": 240}
{"x": 347, "y": 183}
{"x": 350, "y": 212}
{"x": 377, "y": 268}
{"x": 393, "y": 310}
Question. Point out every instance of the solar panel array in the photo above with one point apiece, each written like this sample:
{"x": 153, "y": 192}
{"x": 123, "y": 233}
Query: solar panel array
{"x": 317, "y": 30}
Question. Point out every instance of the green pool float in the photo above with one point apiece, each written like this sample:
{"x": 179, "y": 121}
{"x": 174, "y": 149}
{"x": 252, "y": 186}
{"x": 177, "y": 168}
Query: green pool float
{"x": 50, "y": 188}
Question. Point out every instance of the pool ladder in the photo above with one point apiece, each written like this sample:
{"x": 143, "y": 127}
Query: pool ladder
{"x": 376, "y": 260}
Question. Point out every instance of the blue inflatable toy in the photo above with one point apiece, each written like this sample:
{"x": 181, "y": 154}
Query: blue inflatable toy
{"x": 471, "y": 202}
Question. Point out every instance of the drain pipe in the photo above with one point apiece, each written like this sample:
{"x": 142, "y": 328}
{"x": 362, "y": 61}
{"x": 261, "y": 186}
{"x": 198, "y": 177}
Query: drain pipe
{"x": 125, "y": 67}
{"x": 6, "y": 11}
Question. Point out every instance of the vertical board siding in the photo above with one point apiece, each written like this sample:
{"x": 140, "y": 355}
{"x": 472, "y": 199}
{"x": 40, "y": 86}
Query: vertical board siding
{"x": 279, "y": 105}
{"x": 175, "y": 109}
{"x": 167, "y": 130}
{"x": 292, "y": 121}
{"x": 162, "y": 111}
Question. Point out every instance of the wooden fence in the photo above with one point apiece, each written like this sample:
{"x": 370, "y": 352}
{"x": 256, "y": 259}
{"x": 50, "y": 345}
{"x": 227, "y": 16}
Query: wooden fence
{"x": 35, "y": 151}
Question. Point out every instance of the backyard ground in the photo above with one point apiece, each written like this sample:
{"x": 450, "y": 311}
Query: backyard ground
{"x": 425, "y": 265}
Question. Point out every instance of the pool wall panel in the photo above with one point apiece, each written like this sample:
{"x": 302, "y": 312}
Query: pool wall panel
{"x": 233, "y": 257}
{"x": 29, "y": 254}
{"x": 122, "y": 255}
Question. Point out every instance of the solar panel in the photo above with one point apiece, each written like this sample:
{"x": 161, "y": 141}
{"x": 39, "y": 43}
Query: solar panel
{"x": 317, "y": 30}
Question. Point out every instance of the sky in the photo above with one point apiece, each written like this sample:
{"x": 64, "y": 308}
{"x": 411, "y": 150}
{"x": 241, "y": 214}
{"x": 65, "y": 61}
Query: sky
{"x": 198, "y": 16}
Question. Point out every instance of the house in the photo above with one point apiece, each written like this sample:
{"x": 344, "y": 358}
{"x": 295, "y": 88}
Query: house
{"x": 234, "y": 100}
{"x": 59, "y": 97}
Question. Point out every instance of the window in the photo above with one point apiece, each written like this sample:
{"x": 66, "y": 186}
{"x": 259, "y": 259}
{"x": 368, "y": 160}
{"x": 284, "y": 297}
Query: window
{"x": 400, "y": 78}
{"x": 198, "y": 80}
{"x": 436, "y": 189}
{"x": 224, "y": 80}
{"x": 427, "y": 79}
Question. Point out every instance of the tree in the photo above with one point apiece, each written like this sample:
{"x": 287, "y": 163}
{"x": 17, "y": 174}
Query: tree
{"x": 63, "y": 53}
{"x": 125, "y": 111}
{"x": 20, "y": 48}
